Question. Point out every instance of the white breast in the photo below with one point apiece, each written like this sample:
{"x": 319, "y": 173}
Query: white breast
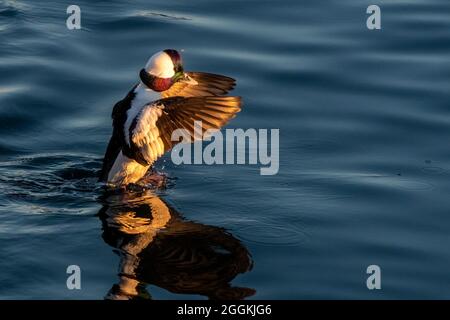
{"x": 143, "y": 96}
{"x": 124, "y": 169}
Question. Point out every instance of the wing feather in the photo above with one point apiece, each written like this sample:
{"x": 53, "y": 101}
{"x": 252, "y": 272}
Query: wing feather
{"x": 200, "y": 84}
{"x": 151, "y": 130}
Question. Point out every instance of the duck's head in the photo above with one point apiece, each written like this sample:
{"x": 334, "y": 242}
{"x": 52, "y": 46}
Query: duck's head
{"x": 162, "y": 70}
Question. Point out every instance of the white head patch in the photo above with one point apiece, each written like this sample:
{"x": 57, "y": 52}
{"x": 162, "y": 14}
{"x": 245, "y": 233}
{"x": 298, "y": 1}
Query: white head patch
{"x": 160, "y": 65}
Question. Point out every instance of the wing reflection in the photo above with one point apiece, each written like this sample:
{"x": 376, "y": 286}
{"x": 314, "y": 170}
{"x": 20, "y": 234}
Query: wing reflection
{"x": 157, "y": 246}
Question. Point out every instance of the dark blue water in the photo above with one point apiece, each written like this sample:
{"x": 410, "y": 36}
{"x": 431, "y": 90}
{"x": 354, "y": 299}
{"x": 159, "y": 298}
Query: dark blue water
{"x": 364, "y": 119}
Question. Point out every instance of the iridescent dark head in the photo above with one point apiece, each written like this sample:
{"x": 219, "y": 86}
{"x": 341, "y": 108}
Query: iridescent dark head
{"x": 162, "y": 70}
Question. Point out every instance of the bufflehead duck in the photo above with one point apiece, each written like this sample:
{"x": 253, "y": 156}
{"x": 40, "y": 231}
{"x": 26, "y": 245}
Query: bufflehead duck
{"x": 165, "y": 99}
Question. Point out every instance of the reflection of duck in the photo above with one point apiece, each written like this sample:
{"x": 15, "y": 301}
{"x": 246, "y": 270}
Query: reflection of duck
{"x": 158, "y": 246}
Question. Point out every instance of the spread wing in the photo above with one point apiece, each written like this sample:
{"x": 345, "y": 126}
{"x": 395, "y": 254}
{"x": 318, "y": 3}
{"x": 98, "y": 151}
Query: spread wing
{"x": 200, "y": 84}
{"x": 151, "y": 131}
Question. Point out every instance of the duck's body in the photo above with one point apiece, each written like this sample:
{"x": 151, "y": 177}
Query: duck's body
{"x": 164, "y": 100}
{"x": 119, "y": 166}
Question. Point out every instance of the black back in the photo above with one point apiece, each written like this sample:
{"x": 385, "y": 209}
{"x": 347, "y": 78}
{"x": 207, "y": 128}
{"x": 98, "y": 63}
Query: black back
{"x": 117, "y": 141}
